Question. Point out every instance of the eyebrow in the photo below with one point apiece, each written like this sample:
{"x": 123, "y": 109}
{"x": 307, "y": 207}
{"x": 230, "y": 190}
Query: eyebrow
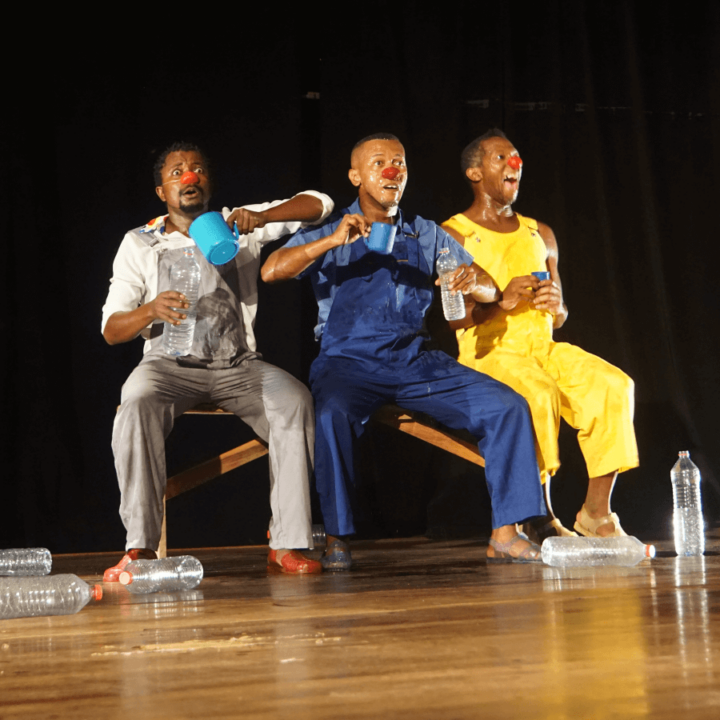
{"x": 182, "y": 162}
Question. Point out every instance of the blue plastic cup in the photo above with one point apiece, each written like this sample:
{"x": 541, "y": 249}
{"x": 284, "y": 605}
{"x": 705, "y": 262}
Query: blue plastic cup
{"x": 542, "y": 275}
{"x": 216, "y": 240}
{"x": 382, "y": 238}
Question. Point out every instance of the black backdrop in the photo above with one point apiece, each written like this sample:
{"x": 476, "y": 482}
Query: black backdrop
{"x": 614, "y": 107}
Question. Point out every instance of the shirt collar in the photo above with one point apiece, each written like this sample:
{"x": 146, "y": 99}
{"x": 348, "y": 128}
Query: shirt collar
{"x": 157, "y": 224}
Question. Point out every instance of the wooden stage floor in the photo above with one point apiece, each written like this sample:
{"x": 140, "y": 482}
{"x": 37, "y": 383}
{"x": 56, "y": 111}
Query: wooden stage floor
{"x": 419, "y": 629}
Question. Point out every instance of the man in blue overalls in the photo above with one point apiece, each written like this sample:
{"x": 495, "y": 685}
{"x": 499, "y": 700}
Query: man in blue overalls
{"x": 371, "y": 329}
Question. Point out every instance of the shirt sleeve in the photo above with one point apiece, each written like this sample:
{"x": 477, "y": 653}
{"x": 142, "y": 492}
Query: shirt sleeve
{"x": 128, "y": 286}
{"x": 273, "y": 231}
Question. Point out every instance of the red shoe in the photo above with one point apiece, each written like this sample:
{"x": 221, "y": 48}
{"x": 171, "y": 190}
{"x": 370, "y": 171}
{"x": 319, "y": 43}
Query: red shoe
{"x": 293, "y": 562}
{"x": 113, "y": 574}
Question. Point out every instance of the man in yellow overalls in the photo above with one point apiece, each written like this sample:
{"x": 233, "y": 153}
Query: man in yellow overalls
{"x": 512, "y": 339}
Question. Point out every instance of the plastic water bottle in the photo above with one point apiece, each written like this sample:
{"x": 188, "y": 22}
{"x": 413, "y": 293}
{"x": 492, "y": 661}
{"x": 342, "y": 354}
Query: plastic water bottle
{"x": 688, "y": 526}
{"x": 185, "y": 279}
{"x": 167, "y": 574}
{"x": 26, "y": 561}
{"x": 319, "y": 536}
{"x": 576, "y": 551}
{"x": 38, "y": 596}
{"x": 453, "y": 303}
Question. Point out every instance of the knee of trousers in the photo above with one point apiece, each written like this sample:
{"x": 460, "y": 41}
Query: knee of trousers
{"x": 334, "y": 417}
{"x": 292, "y": 408}
{"x": 620, "y": 385}
{"x": 545, "y": 402}
{"x": 140, "y": 405}
{"x": 509, "y": 407}
{"x": 331, "y": 405}
{"x": 299, "y": 399}
{"x": 613, "y": 395}
{"x": 141, "y": 411}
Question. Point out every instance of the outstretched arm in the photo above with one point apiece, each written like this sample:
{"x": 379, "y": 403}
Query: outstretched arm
{"x": 549, "y": 295}
{"x": 301, "y": 208}
{"x": 288, "y": 262}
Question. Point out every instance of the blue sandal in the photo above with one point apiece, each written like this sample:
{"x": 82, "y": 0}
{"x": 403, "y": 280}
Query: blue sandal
{"x": 336, "y": 556}
{"x": 531, "y": 554}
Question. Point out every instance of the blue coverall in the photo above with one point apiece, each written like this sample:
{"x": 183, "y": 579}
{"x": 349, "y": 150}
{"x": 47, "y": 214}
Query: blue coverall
{"x": 371, "y": 328}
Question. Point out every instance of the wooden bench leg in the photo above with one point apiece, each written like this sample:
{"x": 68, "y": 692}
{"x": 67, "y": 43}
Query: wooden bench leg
{"x": 200, "y": 474}
{"x": 162, "y": 547}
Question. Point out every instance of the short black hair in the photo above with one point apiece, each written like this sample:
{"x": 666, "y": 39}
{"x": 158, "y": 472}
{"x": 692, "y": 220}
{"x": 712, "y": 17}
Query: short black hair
{"x": 374, "y": 136}
{"x": 473, "y": 154}
{"x": 179, "y": 146}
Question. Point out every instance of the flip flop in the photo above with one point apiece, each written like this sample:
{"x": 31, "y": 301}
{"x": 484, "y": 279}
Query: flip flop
{"x": 336, "y": 557}
{"x": 505, "y": 557}
{"x": 293, "y": 563}
{"x": 112, "y": 574}
{"x": 588, "y": 527}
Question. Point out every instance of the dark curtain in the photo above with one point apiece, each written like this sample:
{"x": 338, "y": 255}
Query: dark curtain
{"x": 614, "y": 107}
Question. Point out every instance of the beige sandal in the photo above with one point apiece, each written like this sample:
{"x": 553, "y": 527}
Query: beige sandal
{"x": 588, "y": 527}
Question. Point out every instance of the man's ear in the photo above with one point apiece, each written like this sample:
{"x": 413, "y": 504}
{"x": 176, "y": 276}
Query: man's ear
{"x": 354, "y": 176}
{"x": 160, "y": 192}
{"x": 474, "y": 174}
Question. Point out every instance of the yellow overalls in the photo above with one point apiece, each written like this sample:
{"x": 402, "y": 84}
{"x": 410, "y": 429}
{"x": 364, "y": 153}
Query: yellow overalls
{"x": 557, "y": 379}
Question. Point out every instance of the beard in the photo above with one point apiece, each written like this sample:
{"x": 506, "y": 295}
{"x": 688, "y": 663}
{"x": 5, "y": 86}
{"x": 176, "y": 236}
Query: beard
{"x": 194, "y": 204}
{"x": 192, "y": 207}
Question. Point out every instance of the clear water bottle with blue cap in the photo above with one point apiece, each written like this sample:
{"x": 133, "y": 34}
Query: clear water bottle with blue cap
{"x": 185, "y": 279}
{"x": 453, "y": 302}
{"x": 688, "y": 525}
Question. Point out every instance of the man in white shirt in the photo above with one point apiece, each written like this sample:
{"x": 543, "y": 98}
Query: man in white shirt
{"x": 223, "y": 366}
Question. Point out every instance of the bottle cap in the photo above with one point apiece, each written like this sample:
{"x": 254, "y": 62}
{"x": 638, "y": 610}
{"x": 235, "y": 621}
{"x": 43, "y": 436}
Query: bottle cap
{"x": 96, "y": 592}
{"x": 650, "y": 551}
{"x": 125, "y": 578}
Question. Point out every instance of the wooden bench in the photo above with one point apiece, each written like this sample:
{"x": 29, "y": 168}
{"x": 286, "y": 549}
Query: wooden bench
{"x": 418, "y": 425}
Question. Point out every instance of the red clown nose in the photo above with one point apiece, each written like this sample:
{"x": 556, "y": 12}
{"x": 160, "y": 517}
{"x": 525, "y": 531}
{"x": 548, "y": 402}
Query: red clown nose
{"x": 189, "y": 178}
{"x": 515, "y": 162}
{"x": 390, "y": 173}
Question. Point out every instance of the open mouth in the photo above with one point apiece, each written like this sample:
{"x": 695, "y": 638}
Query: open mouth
{"x": 190, "y": 192}
{"x": 391, "y": 187}
{"x": 511, "y": 181}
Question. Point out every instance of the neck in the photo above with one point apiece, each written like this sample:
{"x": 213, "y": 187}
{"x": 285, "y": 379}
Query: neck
{"x": 375, "y": 212}
{"x": 180, "y": 221}
{"x": 490, "y": 213}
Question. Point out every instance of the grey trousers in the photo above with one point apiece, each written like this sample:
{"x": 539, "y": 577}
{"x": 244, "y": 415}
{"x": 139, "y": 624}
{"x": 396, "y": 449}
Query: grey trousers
{"x": 275, "y": 405}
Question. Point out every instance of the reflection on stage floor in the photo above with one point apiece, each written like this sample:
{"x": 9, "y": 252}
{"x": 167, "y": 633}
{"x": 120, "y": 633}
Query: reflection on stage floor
{"x": 418, "y": 629}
